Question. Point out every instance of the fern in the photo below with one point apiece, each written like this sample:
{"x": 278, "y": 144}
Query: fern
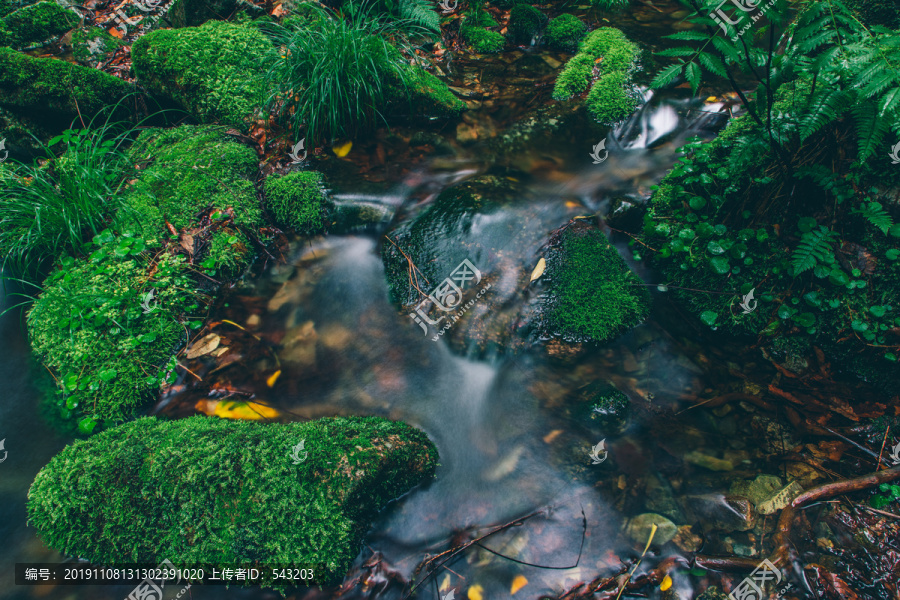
{"x": 420, "y": 12}
{"x": 814, "y": 248}
{"x": 875, "y": 214}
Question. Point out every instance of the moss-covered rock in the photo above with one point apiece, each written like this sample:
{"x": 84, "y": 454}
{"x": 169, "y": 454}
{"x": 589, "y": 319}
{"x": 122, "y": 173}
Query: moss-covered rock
{"x": 483, "y": 41}
{"x": 38, "y": 23}
{"x": 602, "y": 408}
{"x": 422, "y": 94}
{"x": 204, "y": 490}
{"x": 215, "y": 71}
{"x": 87, "y": 326}
{"x": 525, "y": 23}
{"x": 90, "y": 45}
{"x": 604, "y": 64}
{"x": 56, "y": 91}
{"x": 191, "y": 172}
{"x": 592, "y": 294}
{"x": 565, "y": 32}
{"x": 192, "y": 13}
{"x": 23, "y": 136}
{"x": 298, "y": 201}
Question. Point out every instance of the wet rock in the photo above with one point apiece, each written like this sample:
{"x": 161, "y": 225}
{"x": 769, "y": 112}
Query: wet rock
{"x": 466, "y": 133}
{"x": 712, "y": 593}
{"x": 92, "y": 45}
{"x": 299, "y": 345}
{"x": 639, "y": 527}
{"x": 356, "y": 216}
{"x": 687, "y": 540}
{"x": 779, "y": 499}
{"x": 712, "y": 463}
{"x": 660, "y": 498}
{"x": 757, "y": 490}
{"x": 602, "y": 408}
{"x": 626, "y": 213}
{"x": 719, "y": 512}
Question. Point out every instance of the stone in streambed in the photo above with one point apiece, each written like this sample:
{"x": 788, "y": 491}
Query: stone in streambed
{"x": 718, "y": 512}
{"x": 639, "y": 527}
{"x": 602, "y": 408}
{"x": 205, "y": 490}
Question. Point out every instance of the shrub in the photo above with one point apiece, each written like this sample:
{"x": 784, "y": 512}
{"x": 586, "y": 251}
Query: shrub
{"x": 298, "y": 201}
{"x": 525, "y": 22}
{"x": 107, "y": 353}
{"x": 205, "y": 490}
{"x": 215, "y": 71}
{"x": 38, "y": 23}
{"x": 482, "y": 40}
{"x": 565, "y": 32}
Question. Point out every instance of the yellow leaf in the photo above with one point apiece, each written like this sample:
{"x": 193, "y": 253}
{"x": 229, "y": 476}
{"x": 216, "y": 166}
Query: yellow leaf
{"x": 273, "y": 378}
{"x": 342, "y": 150}
{"x": 249, "y": 411}
{"x": 666, "y": 583}
{"x": 539, "y": 269}
{"x": 518, "y": 583}
{"x": 711, "y": 99}
{"x": 445, "y": 584}
{"x": 475, "y": 592}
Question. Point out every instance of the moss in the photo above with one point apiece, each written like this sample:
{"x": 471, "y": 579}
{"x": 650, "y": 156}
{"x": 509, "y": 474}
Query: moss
{"x": 594, "y": 296}
{"x": 190, "y": 171}
{"x": 612, "y": 96}
{"x": 482, "y": 40}
{"x": 215, "y": 71}
{"x": 424, "y": 94}
{"x": 88, "y": 327}
{"x": 20, "y": 134}
{"x": 565, "y": 32}
{"x": 54, "y": 90}
{"x": 602, "y": 408}
{"x": 192, "y": 13}
{"x": 91, "y": 44}
{"x": 204, "y": 490}
{"x": 38, "y": 23}
{"x": 525, "y": 22}
{"x": 298, "y": 201}
{"x": 480, "y": 18}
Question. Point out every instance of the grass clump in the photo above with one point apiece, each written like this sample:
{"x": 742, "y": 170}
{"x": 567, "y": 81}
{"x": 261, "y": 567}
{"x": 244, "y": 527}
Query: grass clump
{"x": 38, "y": 23}
{"x": 565, "y": 32}
{"x": 205, "y": 490}
{"x": 525, "y": 22}
{"x": 612, "y": 96}
{"x": 214, "y": 71}
{"x": 483, "y": 41}
{"x": 298, "y": 201}
{"x": 107, "y": 353}
{"x": 593, "y": 296}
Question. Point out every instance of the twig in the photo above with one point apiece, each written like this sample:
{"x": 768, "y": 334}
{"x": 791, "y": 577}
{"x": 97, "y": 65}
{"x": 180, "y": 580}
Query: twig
{"x": 848, "y": 485}
{"x": 178, "y": 364}
{"x": 880, "y": 512}
{"x": 883, "y": 442}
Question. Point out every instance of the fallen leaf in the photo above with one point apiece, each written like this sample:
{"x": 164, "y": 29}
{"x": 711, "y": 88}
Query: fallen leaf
{"x": 552, "y": 435}
{"x": 711, "y": 99}
{"x": 445, "y": 583}
{"x": 666, "y": 583}
{"x": 342, "y": 150}
{"x": 248, "y": 411}
{"x": 273, "y": 378}
{"x": 187, "y": 242}
{"x": 476, "y": 592}
{"x": 219, "y": 351}
{"x": 518, "y": 583}
{"x": 204, "y": 346}
{"x": 539, "y": 269}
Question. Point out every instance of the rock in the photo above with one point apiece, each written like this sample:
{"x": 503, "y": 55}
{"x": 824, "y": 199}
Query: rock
{"x": 525, "y": 23}
{"x": 757, "y": 490}
{"x": 92, "y": 45}
{"x": 358, "y": 216}
{"x": 712, "y": 593}
{"x": 626, "y": 213}
{"x": 299, "y": 345}
{"x": 38, "y": 23}
{"x": 221, "y": 491}
{"x": 687, "y": 540}
{"x": 215, "y": 71}
{"x": 708, "y": 462}
{"x": 780, "y": 499}
{"x": 639, "y": 527}
{"x": 719, "y": 512}
{"x": 466, "y": 133}
{"x": 661, "y": 499}
{"x": 602, "y": 408}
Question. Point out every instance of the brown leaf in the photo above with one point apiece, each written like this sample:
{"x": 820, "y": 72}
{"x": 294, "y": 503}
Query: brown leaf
{"x": 187, "y": 242}
{"x": 204, "y": 346}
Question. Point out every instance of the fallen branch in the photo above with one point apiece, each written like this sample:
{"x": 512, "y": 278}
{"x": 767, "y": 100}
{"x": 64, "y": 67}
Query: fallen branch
{"x": 846, "y": 486}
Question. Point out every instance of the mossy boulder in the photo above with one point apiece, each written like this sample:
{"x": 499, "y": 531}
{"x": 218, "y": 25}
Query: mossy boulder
{"x": 525, "y": 23}
{"x": 482, "y": 40}
{"x": 603, "y": 67}
{"x": 602, "y": 408}
{"x": 565, "y": 32}
{"x": 422, "y": 95}
{"x": 592, "y": 295}
{"x": 204, "y": 490}
{"x": 191, "y": 173}
{"x": 23, "y": 136}
{"x": 107, "y": 354}
{"x": 90, "y": 45}
{"x": 192, "y": 13}
{"x": 56, "y": 91}
{"x": 215, "y": 71}
{"x": 298, "y": 201}
{"x": 38, "y": 23}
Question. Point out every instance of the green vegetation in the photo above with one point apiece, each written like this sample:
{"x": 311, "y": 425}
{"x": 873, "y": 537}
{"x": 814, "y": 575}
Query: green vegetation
{"x": 90, "y": 44}
{"x": 298, "y": 201}
{"x": 215, "y": 71}
{"x": 775, "y": 206}
{"x": 38, "y": 23}
{"x": 525, "y": 22}
{"x": 417, "y": 13}
{"x": 892, "y": 494}
{"x": 106, "y": 352}
{"x": 612, "y": 95}
{"x": 192, "y": 13}
{"x": 565, "y": 32}
{"x": 593, "y": 295}
{"x": 340, "y": 76}
{"x": 52, "y": 208}
{"x": 610, "y": 4}
{"x": 877, "y": 12}
{"x": 483, "y": 41}
{"x": 205, "y": 490}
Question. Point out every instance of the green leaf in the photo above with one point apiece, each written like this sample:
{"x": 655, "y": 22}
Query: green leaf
{"x": 708, "y": 317}
{"x": 720, "y": 265}
{"x": 692, "y": 74}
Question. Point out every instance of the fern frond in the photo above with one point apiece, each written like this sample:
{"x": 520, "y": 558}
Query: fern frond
{"x": 875, "y": 214}
{"x": 420, "y": 12}
{"x": 814, "y": 248}
{"x": 825, "y": 109}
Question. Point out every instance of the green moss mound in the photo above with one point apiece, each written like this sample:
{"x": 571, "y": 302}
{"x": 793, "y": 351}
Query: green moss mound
{"x": 205, "y": 490}
{"x": 92, "y": 44}
{"x": 193, "y": 172}
{"x": 525, "y": 22}
{"x": 191, "y": 13}
{"x": 565, "y": 32}
{"x": 88, "y": 327}
{"x": 483, "y": 41}
{"x": 298, "y": 201}
{"x": 593, "y": 295}
{"x": 54, "y": 90}
{"x": 612, "y": 95}
{"x": 38, "y": 23}
{"x": 215, "y": 71}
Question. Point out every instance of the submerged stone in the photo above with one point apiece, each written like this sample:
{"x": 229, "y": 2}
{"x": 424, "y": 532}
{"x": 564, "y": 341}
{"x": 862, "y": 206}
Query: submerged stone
{"x": 204, "y": 490}
{"x": 603, "y": 408}
{"x": 639, "y": 528}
